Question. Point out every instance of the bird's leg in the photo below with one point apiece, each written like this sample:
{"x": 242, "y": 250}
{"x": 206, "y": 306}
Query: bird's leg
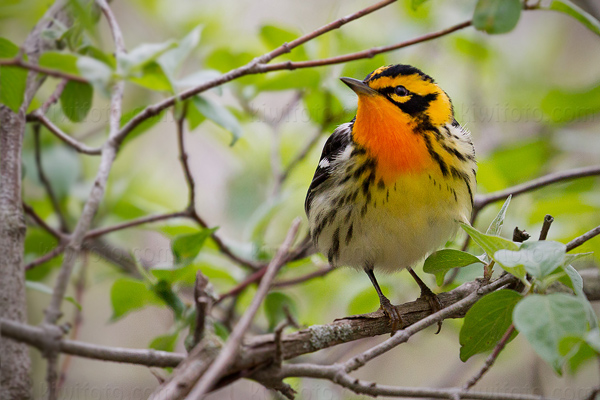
{"x": 427, "y": 294}
{"x": 388, "y": 308}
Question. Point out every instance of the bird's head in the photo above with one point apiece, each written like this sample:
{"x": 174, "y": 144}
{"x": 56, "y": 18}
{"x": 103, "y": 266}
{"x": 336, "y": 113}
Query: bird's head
{"x": 408, "y": 89}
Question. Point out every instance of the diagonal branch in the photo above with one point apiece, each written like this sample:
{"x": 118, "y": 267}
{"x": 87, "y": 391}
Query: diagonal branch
{"x": 18, "y": 62}
{"x": 483, "y": 200}
{"x": 258, "y": 65}
{"x": 229, "y": 352}
{"x": 80, "y": 147}
{"x": 46, "y": 182}
{"x": 369, "y": 53}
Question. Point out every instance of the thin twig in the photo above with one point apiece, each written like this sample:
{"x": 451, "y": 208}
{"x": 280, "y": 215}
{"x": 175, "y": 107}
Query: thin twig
{"x": 369, "y": 53}
{"x": 183, "y": 158}
{"x": 257, "y": 65}
{"x": 491, "y": 359}
{"x": 37, "y": 337}
{"x": 191, "y": 211}
{"x": 54, "y": 97}
{"x": 109, "y": 152}
{"x": 55, "y": 252}
{"x": 315, "y": 274}
{"x": 548, "y": 220}
{"x": 483, "y": 200}
{"x": 38, "y": 220}
{"x": 46, "y": 182}
{"x": 92, "y": 233}
{"x": 583, "y": 238}
{"x": 335, "y": 374}
{"x": 18, "y": 62}
{"x": 203, "y": 299}
{"x": 228, "y": 353}
{"x": 80, "y": 147}
{"x": 77, "y": 319}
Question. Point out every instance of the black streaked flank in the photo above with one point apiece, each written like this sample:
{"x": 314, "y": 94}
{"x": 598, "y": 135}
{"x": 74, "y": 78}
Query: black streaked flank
{"x": 334, "y": 251}
{"x": 349, "y": 234}
{"x": 436, "y": 156}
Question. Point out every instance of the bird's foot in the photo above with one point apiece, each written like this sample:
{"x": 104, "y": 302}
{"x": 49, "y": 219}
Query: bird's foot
{"x": 434, "y": 303}
{"x": 392, "y": 312}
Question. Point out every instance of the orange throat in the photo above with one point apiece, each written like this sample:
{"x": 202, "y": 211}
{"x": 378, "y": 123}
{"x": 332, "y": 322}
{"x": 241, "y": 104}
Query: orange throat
{"x": 389, "y": 136}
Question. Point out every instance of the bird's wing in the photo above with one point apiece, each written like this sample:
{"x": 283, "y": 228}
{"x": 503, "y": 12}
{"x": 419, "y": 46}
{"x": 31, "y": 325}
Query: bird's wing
{"x": 335, "y": 144}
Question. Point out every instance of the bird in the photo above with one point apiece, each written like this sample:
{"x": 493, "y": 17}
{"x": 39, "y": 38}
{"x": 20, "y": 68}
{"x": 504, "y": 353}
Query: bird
{"x": 393, "y": 184}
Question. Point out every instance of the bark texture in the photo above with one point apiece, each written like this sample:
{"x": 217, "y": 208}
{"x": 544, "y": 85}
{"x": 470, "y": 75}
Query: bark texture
{"x": 15, "y": 363}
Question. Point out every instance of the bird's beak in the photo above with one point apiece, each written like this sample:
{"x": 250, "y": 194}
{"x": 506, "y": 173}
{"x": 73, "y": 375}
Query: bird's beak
{"x": 359, "y": 87}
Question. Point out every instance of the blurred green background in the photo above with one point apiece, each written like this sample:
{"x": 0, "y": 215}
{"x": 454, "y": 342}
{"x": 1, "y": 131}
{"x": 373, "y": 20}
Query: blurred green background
{"x": 531, "y": 99}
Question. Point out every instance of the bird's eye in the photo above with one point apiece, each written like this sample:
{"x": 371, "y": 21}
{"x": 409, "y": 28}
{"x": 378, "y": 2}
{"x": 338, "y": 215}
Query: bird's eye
{"x": 401, "y": 91}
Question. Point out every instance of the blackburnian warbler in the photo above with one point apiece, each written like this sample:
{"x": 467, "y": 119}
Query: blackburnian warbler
{"x": 393, "y": 184}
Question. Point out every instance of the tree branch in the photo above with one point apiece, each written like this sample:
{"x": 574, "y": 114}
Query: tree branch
{"x": 257, "y": 65}
{"x": 18, "y": 62}
{"x": 335, "y": 374}
{"x": 583, "y": 238}
{"x": 15, "y": 368}
{"x": 369, "y": 53}
{"x": 227, "y": 355}
{"x": 483, "y": 200}
{"x": 37, "y": 337}
{"x": 80, "y": 147}
{"x": 491, "y": 359}
{"x": 45, "y": 182}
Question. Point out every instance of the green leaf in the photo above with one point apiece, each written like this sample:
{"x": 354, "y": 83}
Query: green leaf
{"x": 164, "y": 291}
{"x": 40, "y": 287}
{"x": 486, "y": 322}
{"x": 164, "y": 342}
{"x": 566, "y": 7}
{"x": 127, "y": 295}
{"x": 540, "y": 258}
{"x": 576, "y": 351}
{"x": 134, "y": 61}
{"x": 219, "y": 115}
{"x": 76, "y": 100}
{"x": 59, "y": 61}
{"x": 185, "y": 248}
{"x": 172, "y": 59}
{"x": 489, "y": 243}
{"x": 495, "y": 227}
{"x": 546, "y": 320}
{"x": 274, "y": 308}
{"x": 153, "y": 77}
{"x": 575, "y": 278}
{"x": 96, "y": 72}
{"x": 571, "y": 258}
{"x": 12, "y": 79}
{"x": 442, "y": 261}
{"x": 175, "y": 275}
{"x": 496, "y": 16}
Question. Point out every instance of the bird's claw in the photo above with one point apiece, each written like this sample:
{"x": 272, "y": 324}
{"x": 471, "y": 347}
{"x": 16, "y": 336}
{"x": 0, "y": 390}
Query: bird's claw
{"x": 434, "y": 303}
{"x": 392, "y": 312}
